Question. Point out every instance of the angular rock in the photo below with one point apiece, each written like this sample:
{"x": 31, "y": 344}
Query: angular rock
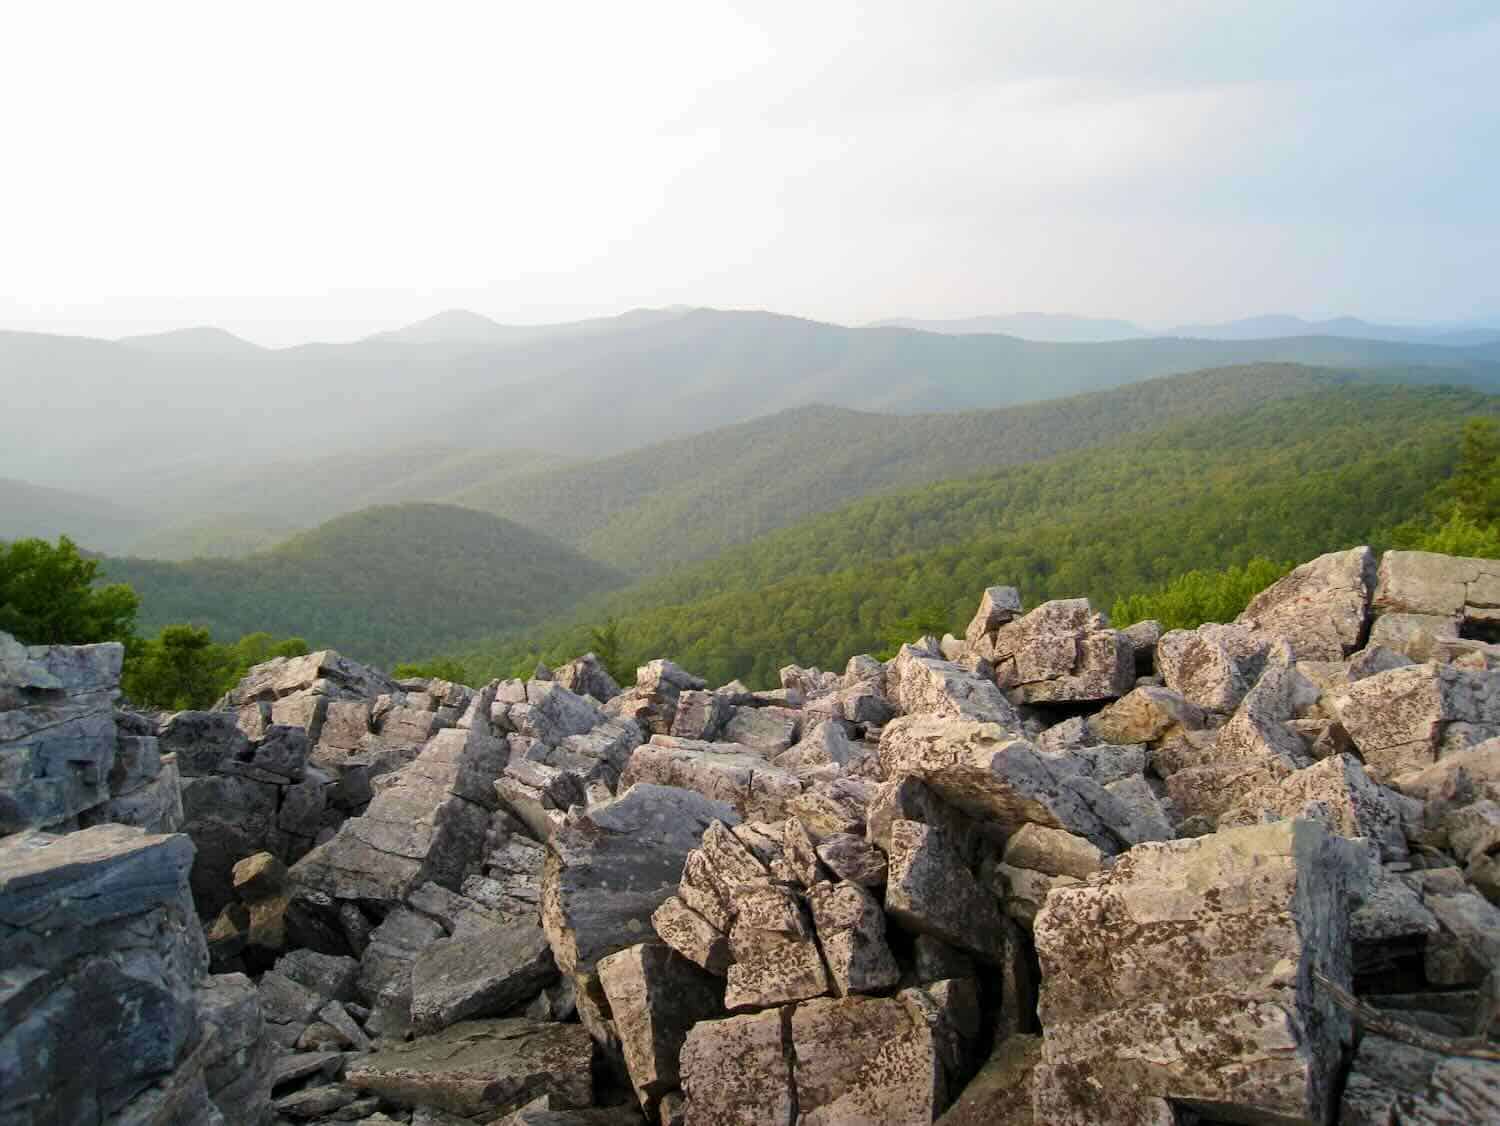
{"x": 692, "y": 936}
{"x": 609, "y": 870}
{"x": 864, "y": 1059}
{"x": 485, "y": 1067}
{"x": 997, "y": 606}
{"x": 1053, "y": 851}
{"x": 587, "y": 676}
{"x": 767, "y": 730}
{"x": 701, "y": 715}
{"x": 1148, "y": 714}
{"x": 931, "y": 891}
{"x": 1062, "y": 652}
{"x": 851, "y": 931}
{"x": 738, "y": 1071}
{"x": 1155, "y": 988}
{"x": 853, "y": 859}
{"x": 655, "y": 998}
{"x": 917, "y": 683}
{"x": 484, "y": 973}
{"x": 1212, "y": 666}
{"x": 776, "y": 958}
{"x": 1321, "y": 608}
{"x": 719, "y": 771}
{"x": 1347, "y": 801}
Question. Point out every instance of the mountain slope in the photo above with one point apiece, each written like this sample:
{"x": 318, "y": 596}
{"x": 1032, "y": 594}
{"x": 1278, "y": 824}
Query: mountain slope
{"x": 77, "y": 410}
{"x": 205, "y": 340}
{"x": 1288, "y": 479}
{"x": 1058, "y": 328}
{"x": 1275, "y": 325}
{"x": 691, "y": 498}
{"x": 34, "y": 510}
{"x": 378, "y": 584}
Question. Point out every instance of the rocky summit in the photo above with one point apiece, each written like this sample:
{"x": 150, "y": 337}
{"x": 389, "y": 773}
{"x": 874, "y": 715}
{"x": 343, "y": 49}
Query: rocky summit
{"x": 1051, "y": 872}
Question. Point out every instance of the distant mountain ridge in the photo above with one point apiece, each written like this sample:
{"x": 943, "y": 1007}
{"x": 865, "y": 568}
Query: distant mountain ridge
{"x": 1056, "y": 328}
{"x": 1281, "y": 326}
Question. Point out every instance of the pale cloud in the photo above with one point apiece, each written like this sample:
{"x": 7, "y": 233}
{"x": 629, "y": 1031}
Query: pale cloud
{"x": 294, "y": 169}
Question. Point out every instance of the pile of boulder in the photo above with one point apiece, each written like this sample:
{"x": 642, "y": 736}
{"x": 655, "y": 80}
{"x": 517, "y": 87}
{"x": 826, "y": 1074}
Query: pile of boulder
{"x": 1049, "y": 872}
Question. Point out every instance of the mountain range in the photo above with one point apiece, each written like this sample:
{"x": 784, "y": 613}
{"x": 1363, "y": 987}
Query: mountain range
{"x": 102, "y": 417}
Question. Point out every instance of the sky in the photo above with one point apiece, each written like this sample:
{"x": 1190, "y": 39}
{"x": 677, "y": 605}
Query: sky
{"x": 295, "y": 171}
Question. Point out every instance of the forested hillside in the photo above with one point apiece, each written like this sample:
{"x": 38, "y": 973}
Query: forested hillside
{"x": 692, "y": 498}
{"x": 1285, "y": 480}
{"x": 379, "y": 585}
{"x": 32, "y": 510}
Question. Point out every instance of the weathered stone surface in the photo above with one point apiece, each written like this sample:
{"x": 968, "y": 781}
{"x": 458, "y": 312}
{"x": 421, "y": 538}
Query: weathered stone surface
{"x": 701, "y": 715}
{"x": 1345, "y": 799}
{"x": 692, "y": 936}
{"x": 658, "y": 685}
{"x": 917, "y": 683}
{"x": 931, "y": 891}
{"x": 776, "y": 958}
{"x": 767, "y": 730}
{"x": 485, "y": 1067}
{"x": 1062, "y": 652}
{"x": 864, "y": 1059}
{"x": 323, "y": 673}
{"x": 587, "y": 676}
{"x": 655, "y": 997}
{"x": 1213, "y": 666}
{"x": 997, "y": 606}
{"x": 227, "y": 819}
{"x": 608, "y": 871}
{"x": 237, "y": 1056}
{"x": 100, "y": 954}
{"x": 330, "y": 976}
{"x": 483, "y": 973}
{"x": 1403, "y": 719}
{"x": 1053, "y": 851}
{"x": 1320, "y": 608}
{"x": 1149, "y": 714}
{"x": 738, "y": 1072}
{"x": 57, "y": 730}
{"x": 984, "y": 770}
{"x": 720, "y": 771}
{"x": 853, "y": 859}
{"x": 1000, "y": 1095}
{"x": 851, "y": 932}
{"x": 385, "y": 968}
{"x": 1459, "y": 1091}
{"x": 1157, "y": 989}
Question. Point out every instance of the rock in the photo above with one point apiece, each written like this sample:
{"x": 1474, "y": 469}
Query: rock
{"x": 586, "y": 676}
{"x": 863, "y": 1059}
{"x": 851, "y": 858}
{"x": 701, "y": 715}
{"x": 1459, "y": 1091}
{"x": 237, "y": 1056}
{"x": 997, "y": 606}
{"x": 1212, "y": 666}
{"x": 1347, "y": 801}
{"x": 738, "y": 1072}
{"x": 922, "y": 684}
{"x": 315, "y": 1102}
{"x": 485, "y": 1067}
{"x": 931, "y": 891}
{"x": 554, "y": 713}
{"x": 1062, "y": 652}
{"x": 776, "y": 958}
{"x": 1153, "y": 990}
{"x": 1442, "y": 586}
{"x": 1147, "y": 715}
{"x": 1000, "y": 1095}
{"x": 609, "y": 870}
{"x": 985, "y": 771}
{"x": 851, "y": 932}
{"x": 1403, "y": 719}
{"x": 259, "y": 877}
{"x": 655, "y": 997}
{"x": 767, "y": 730}
{"x": 658, "y": 685}
{"x": 101, "y": 953}
{"x": 484, "y": 973}
{"x": 1053, "y": 851}
{"x": 720, "y": 771}
{"x": 692, "y": 936}
{"x": 385, "y": 968}
{"x": 1320, "y": 608}
{"x": 329, "y": 976}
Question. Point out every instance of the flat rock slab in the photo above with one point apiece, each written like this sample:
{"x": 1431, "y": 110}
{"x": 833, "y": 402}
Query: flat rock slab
{"x": 483, "y": 973}
{"x": 484, "y": 1067}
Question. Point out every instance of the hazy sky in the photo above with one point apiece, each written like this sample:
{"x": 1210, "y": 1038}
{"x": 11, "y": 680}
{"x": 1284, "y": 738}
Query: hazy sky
{"x": 322, "y": 169}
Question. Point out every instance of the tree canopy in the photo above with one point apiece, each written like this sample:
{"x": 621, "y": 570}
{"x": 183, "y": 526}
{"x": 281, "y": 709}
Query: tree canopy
{"x": 49, "y": 596}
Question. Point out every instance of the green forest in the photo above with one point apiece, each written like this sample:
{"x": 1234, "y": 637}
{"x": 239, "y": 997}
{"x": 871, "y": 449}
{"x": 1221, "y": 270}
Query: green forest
{"x": 1285, "y": 481}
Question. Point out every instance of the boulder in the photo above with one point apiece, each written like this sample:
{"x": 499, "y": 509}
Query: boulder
{"x": 931, "y": 891}
{"x": 617, "y": 863}
{"x": 851, "y": 932}
{"x": 1213, "y": 666}
{"x": 1148, "y": 714}
{"x": 1153, "y": 989}
{"x": 738, "y": 1071}
{"x": 692, "y": 936}
{"x": 1402, "y": 720}
{"x": 853, "y": 859}
{"x": 864, "y": 1059}
{"x": 724, "y": 772}
{"x": 1336, "y": 791}
{"x": 1321, "y": 608}
{"x": 587, "y": 676}
{"x": 920, "y": 684}
{"x": 701, "y": 715}
{"x": 1062, "y": 652}
{"x": 766, "y": 730}
{"x": 776, "y": 956}
{"x": 986, "y": 771}
{"x": 997, "y": 606}
{"x": 485, "y": 1067}
{"x": 485, "y": 972}
{"x": 655, "y": 997}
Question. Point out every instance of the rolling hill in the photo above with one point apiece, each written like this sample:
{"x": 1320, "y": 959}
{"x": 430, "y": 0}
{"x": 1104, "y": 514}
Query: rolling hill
{"x": 1288, "y": 479}
{"x": 90, "y": 521}
{"x": 379, "y": 584}
{"x": 77, "y": 410}
{"x": 1058, "y": 328}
